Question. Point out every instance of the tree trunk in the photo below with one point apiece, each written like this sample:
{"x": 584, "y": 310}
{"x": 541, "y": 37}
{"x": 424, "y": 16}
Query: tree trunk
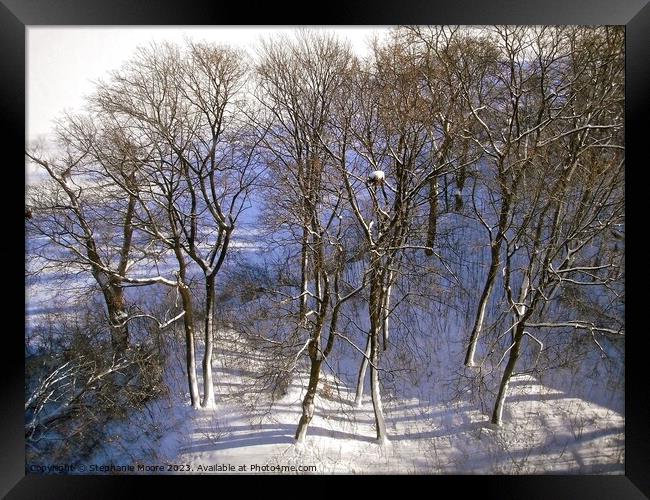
{"x": 117, "y": 316}
{"x": 190, "y": 356}
{"x": 446, "y": 191}
{"x": 115, "y": 307}
{"x": 482, "y": 304}
{"x": 460, "y": 184}
{"x": 112, "y": 291}
{"x": 374, "y": 388}
{"x": 321, "y": 281}
{"x": 497, "y": 414}
{"x": 433, "y": 215}
{"x": 361, "y": 377}
{"x": 385, "y": 312}
{"x": 303, "y": 276}
{"x": 120, "y": 330}
{"x": 491, "y": 278}
{"x": 188, "y": 324}
{"x": 208, "y": 387}
{"x": 480, "y": 315}
{"x": 458, "y": 200}
{"x": 376, "y": 307}
{"x": 308, "y": 402}
{"x": 117, "y": 312}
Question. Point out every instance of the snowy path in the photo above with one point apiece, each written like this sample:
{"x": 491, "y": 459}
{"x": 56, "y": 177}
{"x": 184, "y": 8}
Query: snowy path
{"x": 546, "y": 431}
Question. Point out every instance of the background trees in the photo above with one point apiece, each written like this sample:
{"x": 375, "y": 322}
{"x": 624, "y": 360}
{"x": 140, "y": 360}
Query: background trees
{"x": 392, "y": 139}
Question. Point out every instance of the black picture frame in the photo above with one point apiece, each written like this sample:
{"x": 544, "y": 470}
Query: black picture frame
{"x": 17, "y": 15}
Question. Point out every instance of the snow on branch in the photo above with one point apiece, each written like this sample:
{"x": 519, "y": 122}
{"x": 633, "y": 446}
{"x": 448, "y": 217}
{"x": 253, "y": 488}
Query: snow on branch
{"x": 161, "y": 325}
{"x": 583, "y": 325}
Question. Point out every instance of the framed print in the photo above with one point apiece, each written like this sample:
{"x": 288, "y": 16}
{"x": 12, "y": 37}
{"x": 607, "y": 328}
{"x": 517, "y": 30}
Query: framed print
{"x": 388, "y": 243}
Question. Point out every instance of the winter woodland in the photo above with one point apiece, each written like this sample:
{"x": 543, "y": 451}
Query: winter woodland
{"x": 308, "y": 261}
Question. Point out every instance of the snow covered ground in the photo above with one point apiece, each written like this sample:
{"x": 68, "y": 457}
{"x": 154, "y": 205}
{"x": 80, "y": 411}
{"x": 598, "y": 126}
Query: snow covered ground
{"x": 436, "y": 424}
{"x": 545, "y": 431}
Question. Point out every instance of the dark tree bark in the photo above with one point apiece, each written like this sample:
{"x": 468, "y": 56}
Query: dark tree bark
{"x": 308, "y": 401}
{"x": 117, "y": 315}
{"x": 314, "y": 348}
{"x": 433, "y": 215}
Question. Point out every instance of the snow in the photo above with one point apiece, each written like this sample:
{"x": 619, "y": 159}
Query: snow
{"x": 545, "y": 431}
{"x": 377, "y": 175}
{"x": 569, "y": 422}
{"x": 433, "y": 427}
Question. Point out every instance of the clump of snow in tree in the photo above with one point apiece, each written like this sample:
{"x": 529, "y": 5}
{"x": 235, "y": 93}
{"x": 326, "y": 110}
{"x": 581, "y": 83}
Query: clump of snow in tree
{"x": 377, "y": 176}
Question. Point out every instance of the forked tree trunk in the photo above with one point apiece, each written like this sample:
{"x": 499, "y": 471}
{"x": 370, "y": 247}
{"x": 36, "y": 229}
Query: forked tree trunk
{"x": 208, "y": 386}
{"x": 190, "y": 356}
{"x": 114, "y": 293}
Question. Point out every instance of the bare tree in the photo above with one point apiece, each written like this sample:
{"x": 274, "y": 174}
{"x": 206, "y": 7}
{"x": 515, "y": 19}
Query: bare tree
{"x": 387, "y": 150}
{"x": 187, "y": 103}
{"x": 517, "y": 99}
{"x": 449, "y": 59}
{"x": 87, "y": 216}
{"x": 299, "y": 81}
{"x": 572, "y": 205}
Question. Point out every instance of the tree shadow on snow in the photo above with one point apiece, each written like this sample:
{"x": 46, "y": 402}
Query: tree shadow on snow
{"x": 259, "y": 435}
{"x": 438, "y": 432}
{"x": 279, "y": 435}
